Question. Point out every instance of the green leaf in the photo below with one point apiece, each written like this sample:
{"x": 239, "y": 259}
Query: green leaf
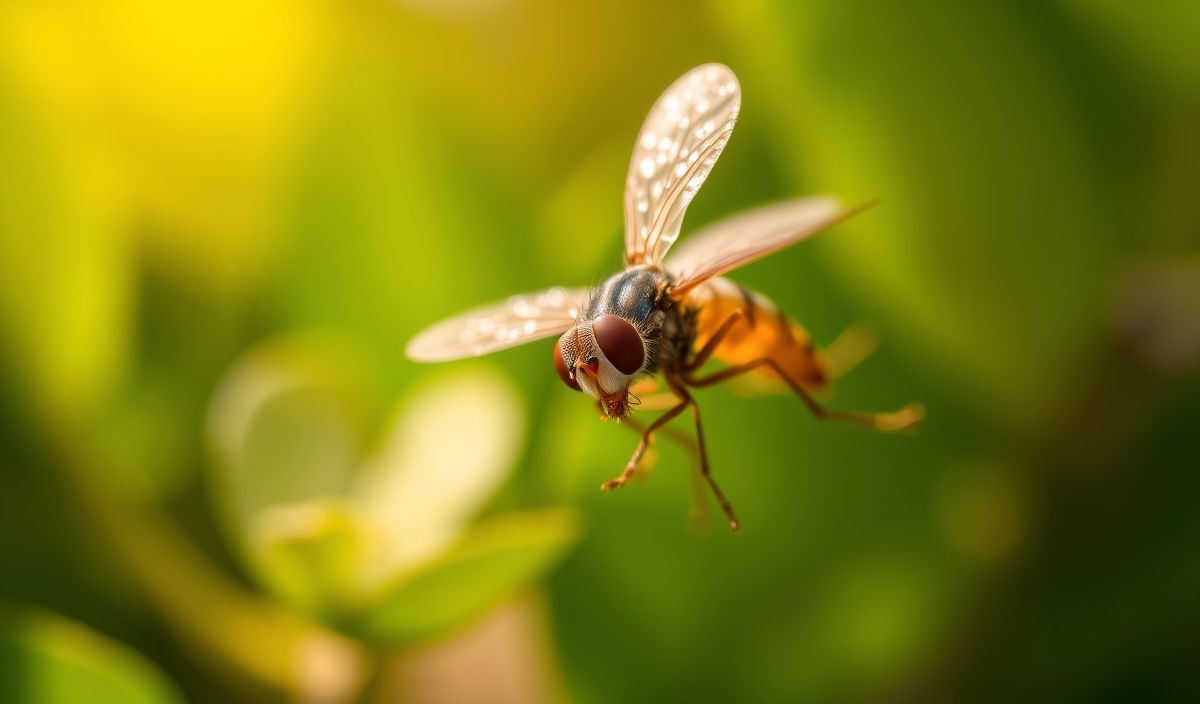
{"x": 311, "y": 555}
{"x": 425, "y": 484}
{"x": 285, "y": 426}
{"x": 46, "y": 658}
{"x": 493, "y": 559}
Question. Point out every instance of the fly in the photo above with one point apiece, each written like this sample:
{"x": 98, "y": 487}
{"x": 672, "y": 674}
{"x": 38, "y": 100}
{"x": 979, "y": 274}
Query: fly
{"x": 668, "y": 316}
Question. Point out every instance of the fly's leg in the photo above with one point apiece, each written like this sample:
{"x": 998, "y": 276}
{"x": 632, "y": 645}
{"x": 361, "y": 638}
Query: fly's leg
{"x": 705, "y": 471}
{"x": 903, "y": 419}
{"x": 698, "y": 515}
{"x": 706, "y": 352}
{"x": 646, "y": 462}
{"x": 630, "y": 468}
{"x": 685, "y": 400}
{"x": 671, "y": 433}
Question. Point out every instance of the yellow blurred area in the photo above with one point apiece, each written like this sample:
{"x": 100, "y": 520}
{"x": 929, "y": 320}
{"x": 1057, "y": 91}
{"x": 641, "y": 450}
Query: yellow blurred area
{"x": 189, "y": 112}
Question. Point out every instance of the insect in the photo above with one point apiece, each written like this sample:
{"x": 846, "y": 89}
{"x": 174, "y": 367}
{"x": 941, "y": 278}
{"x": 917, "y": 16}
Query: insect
{"x": 670, "y": 315}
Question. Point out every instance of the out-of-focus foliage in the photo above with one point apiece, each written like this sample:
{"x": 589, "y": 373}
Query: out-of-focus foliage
{"x": 267, "y": 514}
{"x": 45, "y": 658}
{"x": 377, "y": 543}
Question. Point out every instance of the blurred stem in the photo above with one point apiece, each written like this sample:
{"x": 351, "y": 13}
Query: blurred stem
{"x": 202, "y": 607}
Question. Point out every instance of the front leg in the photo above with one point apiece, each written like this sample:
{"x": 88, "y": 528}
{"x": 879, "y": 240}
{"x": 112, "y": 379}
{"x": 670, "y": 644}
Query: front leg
{"x": 630, "y": 468}
{"x": 673, "y": 434}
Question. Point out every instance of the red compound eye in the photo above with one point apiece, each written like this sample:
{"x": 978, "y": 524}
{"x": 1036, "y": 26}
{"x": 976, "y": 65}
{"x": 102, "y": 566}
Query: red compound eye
{"x": 620, "y": 342}
{"x": 560, "y": 366}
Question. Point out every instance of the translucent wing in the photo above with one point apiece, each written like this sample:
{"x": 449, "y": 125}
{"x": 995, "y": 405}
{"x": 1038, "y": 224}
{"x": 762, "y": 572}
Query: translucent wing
{"x": 679, "y": 143}
{"x": 518, "y": 320}
{"x": 742, "y": 238}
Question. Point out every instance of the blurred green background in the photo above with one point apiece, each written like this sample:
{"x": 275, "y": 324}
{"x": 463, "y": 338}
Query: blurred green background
{"x": 221, "y": 480}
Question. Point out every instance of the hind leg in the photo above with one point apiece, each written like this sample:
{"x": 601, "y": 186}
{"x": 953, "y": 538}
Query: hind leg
{"x": 903, "y": 419}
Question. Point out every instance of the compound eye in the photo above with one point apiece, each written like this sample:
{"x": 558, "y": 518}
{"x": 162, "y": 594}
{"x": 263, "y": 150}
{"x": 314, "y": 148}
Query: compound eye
{"x": 560, "y": 366}
{"x": 620, "y": 342}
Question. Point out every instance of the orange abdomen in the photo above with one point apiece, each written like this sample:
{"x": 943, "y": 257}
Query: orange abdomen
{"x": 765, "y": 332}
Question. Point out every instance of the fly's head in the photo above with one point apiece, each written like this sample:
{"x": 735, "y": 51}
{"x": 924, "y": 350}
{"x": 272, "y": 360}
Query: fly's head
{"x": 602, "y": 357}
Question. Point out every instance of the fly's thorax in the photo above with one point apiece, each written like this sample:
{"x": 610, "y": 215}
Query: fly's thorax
{"x": 634, "y": 294}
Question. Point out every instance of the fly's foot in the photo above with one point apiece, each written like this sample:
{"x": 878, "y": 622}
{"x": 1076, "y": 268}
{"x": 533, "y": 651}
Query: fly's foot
{"x": 614, "y": 483}
{"x": 904, "y": 420}
{"x": 619, "y": 481}
{"x": 643, "y": 459}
